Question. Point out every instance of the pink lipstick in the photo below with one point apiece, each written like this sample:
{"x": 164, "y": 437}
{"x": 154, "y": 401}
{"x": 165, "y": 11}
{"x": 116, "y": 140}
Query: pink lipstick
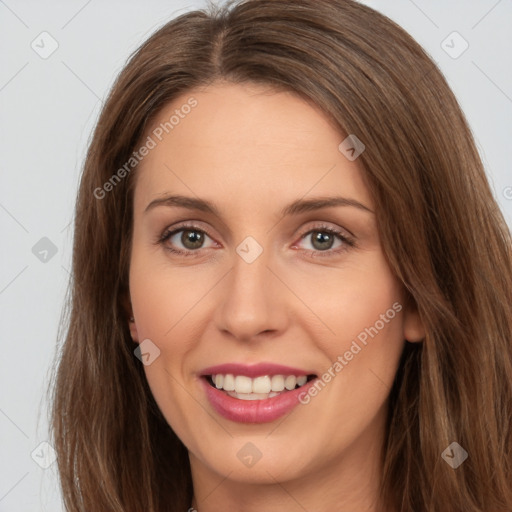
{"x": 256, "y": 393}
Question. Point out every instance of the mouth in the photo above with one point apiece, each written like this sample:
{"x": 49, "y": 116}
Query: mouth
{"x": 255, "y": 393}
{"x": 261, "y": 387}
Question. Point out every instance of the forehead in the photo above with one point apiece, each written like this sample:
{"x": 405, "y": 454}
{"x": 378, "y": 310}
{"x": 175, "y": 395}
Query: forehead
{"x": 247, "y": 142}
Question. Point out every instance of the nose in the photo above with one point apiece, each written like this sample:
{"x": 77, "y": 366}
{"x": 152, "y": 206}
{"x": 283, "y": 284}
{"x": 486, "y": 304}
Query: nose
{"x": 254, "y": 301}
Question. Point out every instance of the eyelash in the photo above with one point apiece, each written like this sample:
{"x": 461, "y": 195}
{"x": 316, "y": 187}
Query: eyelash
{"x": 321, "y": 229}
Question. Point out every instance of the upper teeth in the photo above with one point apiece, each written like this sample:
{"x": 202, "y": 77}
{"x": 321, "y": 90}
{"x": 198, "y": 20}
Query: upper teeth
{"x": 263, "y": 384}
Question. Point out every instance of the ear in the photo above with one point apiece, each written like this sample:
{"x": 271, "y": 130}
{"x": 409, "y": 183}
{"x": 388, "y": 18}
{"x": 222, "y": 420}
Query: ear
{"x": 133, "y": 330}
{"x": 414, "y": 329}
{"x": 127, "y": 307}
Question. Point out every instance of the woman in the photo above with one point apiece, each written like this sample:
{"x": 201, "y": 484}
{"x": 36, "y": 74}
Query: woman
{"x": 292, "y": 283}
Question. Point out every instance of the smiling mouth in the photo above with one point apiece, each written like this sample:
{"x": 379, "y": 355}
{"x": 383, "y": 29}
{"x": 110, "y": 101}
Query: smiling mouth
{"x": 258, "y": 388}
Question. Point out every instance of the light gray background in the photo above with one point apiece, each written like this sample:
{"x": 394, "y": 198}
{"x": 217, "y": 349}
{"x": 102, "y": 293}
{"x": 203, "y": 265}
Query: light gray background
{"x": 48, "y": 109}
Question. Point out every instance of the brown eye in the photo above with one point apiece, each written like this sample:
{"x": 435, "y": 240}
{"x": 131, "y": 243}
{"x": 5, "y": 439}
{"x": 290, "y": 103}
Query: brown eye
{"x": 192, "y": 238}
{"x": 184, "y": 240}
{"x": 327, "y": 241}
{"x": 322, "y": 240}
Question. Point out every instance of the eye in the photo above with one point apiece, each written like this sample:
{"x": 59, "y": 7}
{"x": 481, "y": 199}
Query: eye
{"x": 190, "y": 237}
{"x": 322, "y": 240}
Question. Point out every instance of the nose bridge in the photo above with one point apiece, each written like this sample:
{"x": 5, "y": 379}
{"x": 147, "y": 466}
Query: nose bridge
{"x": 251, "y": 301}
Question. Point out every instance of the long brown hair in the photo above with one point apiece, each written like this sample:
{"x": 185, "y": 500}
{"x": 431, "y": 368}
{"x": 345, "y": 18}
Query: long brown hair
{"x": 441, "y": 230}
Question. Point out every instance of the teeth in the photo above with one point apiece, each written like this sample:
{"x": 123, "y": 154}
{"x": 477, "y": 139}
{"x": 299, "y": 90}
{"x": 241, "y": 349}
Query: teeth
{"x": 277, "y": 383}
{"x": 261, "y": 385}
{"x": 264, "y": 385}
{"x": 302, "y": 380}
{"x": 228, "y": 383}
{"x": 290, "y": 382}
{"x": 251, "y": 396}
{"x": 243, "y": 384}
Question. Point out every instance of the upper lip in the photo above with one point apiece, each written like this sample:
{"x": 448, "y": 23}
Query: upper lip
{"x": 253, "y": 370}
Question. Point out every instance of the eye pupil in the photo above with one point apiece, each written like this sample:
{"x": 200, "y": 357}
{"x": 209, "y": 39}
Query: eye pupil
{"x": 322, "y": 237}
{"x": 192, "y": 239}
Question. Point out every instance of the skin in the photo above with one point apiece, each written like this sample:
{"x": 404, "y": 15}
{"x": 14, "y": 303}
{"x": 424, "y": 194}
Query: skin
{"x": 251, "y": 150}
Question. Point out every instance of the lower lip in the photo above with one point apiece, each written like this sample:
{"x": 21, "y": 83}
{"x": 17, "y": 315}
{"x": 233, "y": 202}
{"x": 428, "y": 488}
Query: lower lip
{"x": 254, "y": 411}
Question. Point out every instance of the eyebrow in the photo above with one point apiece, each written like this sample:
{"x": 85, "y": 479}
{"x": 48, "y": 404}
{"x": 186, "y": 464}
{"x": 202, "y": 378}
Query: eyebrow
{"x": 295, "y": 208}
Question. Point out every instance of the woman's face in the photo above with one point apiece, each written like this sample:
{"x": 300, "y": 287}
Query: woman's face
{"x": 267, "y": 282}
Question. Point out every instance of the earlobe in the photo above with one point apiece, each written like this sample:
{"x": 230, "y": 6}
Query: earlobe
{"x": 131, "y": 320}
{"x": 133, "y": 329}
{"x": 414, "y": 330}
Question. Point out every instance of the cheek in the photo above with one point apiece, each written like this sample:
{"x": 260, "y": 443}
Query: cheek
{"x": 361, "y": 301}
{"x": 163, "y": 305}
{"x": 163, "y": 299}
{"x": 165, "y": 315}
{"x": 364, "y": 313}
